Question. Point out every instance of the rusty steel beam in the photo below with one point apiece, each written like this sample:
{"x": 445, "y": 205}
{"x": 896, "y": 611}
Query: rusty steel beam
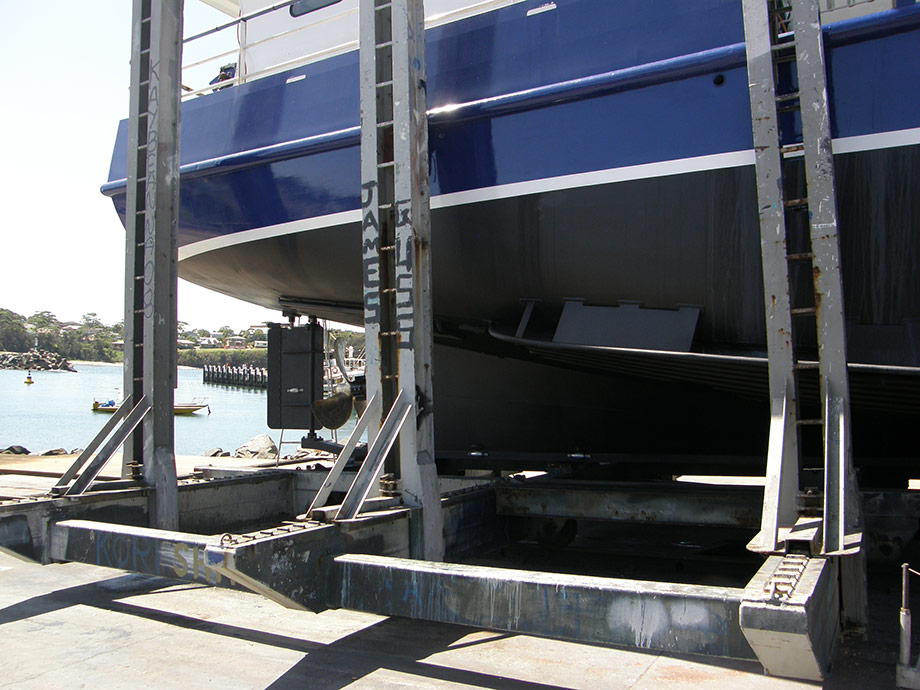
{"x": 656, "y": 503}
{"x": 650, "y": 615}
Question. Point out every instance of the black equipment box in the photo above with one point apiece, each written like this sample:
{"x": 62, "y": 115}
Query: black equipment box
{"x": 295, "y": 375}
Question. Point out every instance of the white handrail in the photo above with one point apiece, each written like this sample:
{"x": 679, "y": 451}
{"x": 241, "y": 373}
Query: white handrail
{"x": 242, "y": 76}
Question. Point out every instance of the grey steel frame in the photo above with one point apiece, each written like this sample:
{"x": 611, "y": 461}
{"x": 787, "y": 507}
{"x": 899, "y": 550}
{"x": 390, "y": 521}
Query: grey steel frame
{"x": 841, "y": 515}
{"x": 396, "y": 245}
{"x": 782, "y": 456}
{"x": 151, "y": 256}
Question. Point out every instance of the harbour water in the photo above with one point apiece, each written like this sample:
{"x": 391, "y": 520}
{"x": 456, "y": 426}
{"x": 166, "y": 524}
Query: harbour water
{"x": 55, "y": 412}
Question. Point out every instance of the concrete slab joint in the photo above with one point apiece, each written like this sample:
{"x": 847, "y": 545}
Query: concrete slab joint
{"x": 790, "y": 615}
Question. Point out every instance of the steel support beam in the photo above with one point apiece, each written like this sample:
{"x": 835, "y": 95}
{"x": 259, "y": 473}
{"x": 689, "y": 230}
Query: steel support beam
{"x": 205, "y": 507}
{"x": 164, "y": 553}
{"x": 676, "y": 504}
{"x": 396, "y": 246}
{"x": 842, "y": 512}
{"x": 648, "y": 615}
{"x": 151, "y": 257}
{"x": 782, "y": 479}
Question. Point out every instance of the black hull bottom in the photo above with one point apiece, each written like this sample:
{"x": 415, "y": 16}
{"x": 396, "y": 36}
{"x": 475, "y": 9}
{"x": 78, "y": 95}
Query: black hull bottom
{"x": 496, "y": 411}
{"x": 668, "y": 241}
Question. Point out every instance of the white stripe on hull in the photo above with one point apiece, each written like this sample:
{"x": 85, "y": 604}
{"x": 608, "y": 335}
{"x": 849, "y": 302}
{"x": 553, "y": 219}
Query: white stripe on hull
{"x": 718, "y": 161}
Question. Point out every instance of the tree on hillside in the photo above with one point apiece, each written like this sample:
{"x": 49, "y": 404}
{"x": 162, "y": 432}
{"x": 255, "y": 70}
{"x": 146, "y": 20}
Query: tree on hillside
{"x": 91, "y": 322}
{"x": 187, "y": 333}
{"x": 253, "y": 334}
{"x": 42, "y": 320}
{"x": 13, "y": 334}
{"x": 46, "y": 329}
{"x": 353, "y": 338}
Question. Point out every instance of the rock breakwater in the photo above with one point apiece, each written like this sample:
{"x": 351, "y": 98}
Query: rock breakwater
{"x": 39, "y": 360}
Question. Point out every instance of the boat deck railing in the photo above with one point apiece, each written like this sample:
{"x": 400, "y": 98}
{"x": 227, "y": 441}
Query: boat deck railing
{"x": 203, "y": 68}
{"x": 241, "y": 75}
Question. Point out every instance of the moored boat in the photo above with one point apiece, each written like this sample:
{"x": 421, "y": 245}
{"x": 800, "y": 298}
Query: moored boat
{"x": 111, "y": 406}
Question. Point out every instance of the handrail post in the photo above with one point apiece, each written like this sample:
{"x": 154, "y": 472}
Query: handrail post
{"x": 904, "y": 659}
{"x": 241, "y": 62}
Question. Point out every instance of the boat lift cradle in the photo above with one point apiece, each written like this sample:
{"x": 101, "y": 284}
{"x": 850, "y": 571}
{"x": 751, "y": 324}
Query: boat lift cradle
{"x": 398, "y": 554}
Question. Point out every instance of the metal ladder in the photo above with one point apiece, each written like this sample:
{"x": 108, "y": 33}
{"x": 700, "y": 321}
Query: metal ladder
{"x": 396, "y": 255}
{"x": 151, "y": 258}
{"x": 778, "y": 32}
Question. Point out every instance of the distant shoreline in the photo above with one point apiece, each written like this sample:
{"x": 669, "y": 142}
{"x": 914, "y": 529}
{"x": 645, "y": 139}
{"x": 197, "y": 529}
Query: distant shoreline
{"x": 112, "y": 364}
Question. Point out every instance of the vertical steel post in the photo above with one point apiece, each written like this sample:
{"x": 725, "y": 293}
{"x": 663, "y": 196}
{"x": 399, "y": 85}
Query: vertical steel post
{"x": 782, "y": 479}
{"x": 370, "y": 211}
{"x": 842, "y": 512}
{"x": 396, "y": 249}
{"x": 413, "y": 269}
{"x": 133, "y": 336}
{"x": 151, "y": 257}
{"x": 904, "y": 651}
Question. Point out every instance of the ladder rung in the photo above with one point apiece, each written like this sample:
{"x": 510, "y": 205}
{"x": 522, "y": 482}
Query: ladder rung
{"x": 386, "y": 82}
{"x": 791, "y": 148}
{"x": 387, "y": 123}
{"x": 389, "y": 334}
{"x": 388, "y": 291}
{"x": 387, "y": 248}
{"x": 809, "y": 422}
{"x": 385, "y": 44}
{"x": 779, "y": 47}
{"x": 802, "y": 256}
{"x": 804, "y": 366}
{"x": 385, "y": 164}
{"x": 389, "y": 377}
{"x": 796, "y": 203}
{"x": 803, "y": 311}
{"x": 783, "y": 97}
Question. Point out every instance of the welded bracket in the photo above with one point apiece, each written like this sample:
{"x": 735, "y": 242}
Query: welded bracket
{"x": 376, "y": 454}
{"x": 372, "y": 410}
{"x": 125, "y": 429}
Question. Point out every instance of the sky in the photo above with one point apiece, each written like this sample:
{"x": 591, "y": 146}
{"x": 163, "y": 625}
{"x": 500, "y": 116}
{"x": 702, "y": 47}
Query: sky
{"x": 66, "y": 79}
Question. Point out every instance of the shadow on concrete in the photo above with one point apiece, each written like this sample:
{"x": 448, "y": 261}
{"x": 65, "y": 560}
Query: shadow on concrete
{"x": 404, "y": 646}
{"x": 395, "y": 644}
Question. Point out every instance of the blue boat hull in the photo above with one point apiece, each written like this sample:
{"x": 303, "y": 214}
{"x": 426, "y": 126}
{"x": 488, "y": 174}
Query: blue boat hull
{"x": 601, "y": 151}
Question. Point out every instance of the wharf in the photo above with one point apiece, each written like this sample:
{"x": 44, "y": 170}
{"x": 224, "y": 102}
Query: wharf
{"x": 22, "y": 476}
{"x": 247, "y": 376}
{"x": 75, "y": 625}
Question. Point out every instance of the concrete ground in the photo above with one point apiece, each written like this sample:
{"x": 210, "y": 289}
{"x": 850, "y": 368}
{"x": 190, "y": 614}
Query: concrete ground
{"x": 78, "y": 626}
{"x": 74, "y": 626}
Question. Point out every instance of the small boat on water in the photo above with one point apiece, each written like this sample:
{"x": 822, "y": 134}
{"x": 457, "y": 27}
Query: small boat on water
{"x": 178, "y": 408}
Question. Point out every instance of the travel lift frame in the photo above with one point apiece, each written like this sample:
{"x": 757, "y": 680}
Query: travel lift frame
{"x": 397, "y": 554}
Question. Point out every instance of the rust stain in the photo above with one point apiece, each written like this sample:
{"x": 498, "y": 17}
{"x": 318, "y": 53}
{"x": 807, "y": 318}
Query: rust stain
{"x": 690, "y": 675}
